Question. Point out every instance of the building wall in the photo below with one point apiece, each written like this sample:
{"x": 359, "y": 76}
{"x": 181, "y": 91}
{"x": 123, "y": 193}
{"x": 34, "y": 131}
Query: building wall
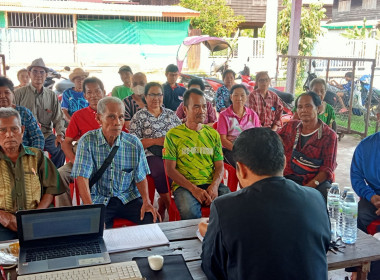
{"x": 356, "y": 11}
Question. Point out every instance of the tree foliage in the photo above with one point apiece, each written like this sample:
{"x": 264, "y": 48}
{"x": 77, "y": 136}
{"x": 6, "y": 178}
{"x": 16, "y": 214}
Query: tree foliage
{"x": 310, "y": 27}
{"x": 216, "y": 18}
{"x": 361, "y": 33}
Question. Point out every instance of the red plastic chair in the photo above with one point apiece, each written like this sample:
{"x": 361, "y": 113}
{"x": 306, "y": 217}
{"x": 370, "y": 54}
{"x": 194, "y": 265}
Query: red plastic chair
{"x": 373, "y": 227}
{"x": 215, "y": 125}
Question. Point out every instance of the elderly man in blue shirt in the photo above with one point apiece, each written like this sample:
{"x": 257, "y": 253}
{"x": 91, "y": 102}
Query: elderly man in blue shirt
{"x": 365, "y": 180}
{"x": 123, "y": 186}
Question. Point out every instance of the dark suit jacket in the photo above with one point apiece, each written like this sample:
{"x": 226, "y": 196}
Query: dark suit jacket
{"x": 273, "y": 229}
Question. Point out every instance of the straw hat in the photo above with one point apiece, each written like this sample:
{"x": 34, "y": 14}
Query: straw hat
{"x": 38, "y": 63}
{"x": 77, "y": 72}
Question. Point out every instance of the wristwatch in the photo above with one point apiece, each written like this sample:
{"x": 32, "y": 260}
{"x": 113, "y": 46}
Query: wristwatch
{"x": 316, "y": 183}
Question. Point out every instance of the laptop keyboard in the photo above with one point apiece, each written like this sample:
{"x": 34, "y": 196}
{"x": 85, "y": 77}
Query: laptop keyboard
{"x": 64, "y": 250}
{"x": 115, "y": 271}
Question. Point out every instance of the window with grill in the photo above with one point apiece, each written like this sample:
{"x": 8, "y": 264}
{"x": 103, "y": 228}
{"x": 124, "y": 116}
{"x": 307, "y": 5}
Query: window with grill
{"x": 369, "y": 4}
{"x": 48, "y": 21}
{"x": 344, "y": 5}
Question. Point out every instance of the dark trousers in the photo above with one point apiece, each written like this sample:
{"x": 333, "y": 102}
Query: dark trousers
{"x": 57, "y": 155}
{"x": 366, "y": 215}
{"x": 228, "y": 157}
{"x": 129, "y": 211}
{"x": 7, "y": 234}
{"x": 157, "y": 171}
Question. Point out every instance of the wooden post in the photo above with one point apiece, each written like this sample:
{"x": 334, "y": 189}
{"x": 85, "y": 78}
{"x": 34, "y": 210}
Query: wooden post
{"x": 75, "y": 39}
{"x": 294, "y": 38}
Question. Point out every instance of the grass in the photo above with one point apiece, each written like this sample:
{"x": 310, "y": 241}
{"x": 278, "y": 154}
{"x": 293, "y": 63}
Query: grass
{"x": 357, "y": 123}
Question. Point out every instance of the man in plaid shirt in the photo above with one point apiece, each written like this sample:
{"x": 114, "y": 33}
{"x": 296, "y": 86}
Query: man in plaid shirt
{"x": 123, "y": 187}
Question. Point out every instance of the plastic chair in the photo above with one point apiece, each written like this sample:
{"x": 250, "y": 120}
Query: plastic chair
{"x": 373, "y": 227}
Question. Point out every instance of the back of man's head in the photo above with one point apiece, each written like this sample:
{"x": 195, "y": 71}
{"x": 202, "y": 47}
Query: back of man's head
{"x": 261, "y": 150}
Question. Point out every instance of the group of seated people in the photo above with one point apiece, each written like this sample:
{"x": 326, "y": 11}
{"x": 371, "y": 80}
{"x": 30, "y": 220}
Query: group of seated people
{"x": 113, "y": 142}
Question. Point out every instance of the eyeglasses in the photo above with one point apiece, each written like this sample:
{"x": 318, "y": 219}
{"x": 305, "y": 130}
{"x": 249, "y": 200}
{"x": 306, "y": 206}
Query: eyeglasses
{"x": 158, "y": 95}
{"x": 263, "y": 80}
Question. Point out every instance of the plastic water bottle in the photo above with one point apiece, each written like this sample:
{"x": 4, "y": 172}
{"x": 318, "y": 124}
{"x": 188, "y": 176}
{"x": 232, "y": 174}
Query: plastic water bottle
{"x": 333, "y": 208}
{"x": 343, "y": 195}
{"x": 350, "y": 214}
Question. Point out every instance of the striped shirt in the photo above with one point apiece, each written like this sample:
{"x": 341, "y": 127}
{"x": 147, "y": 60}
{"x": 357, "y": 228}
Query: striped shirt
{"x": 128, "y": 167}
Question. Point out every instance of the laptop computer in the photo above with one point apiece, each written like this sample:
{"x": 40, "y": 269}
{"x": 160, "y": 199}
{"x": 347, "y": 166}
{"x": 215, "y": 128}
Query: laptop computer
{"x": 61, "y": 238}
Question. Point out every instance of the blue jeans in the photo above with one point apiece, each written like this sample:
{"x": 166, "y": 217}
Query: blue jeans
{"x": 57, "y": 155}
{"x": 188, "y": 206}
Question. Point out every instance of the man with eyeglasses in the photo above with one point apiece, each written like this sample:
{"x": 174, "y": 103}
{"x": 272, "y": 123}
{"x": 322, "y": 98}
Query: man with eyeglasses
{"x": 173, "y": 92}
{"x": 46, "y": 108}
{"x": 82, "y": 121}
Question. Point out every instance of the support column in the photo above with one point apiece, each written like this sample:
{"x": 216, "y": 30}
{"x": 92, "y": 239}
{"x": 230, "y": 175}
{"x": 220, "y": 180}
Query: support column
{"x": 75, "y": 39}
{"x": 294, "y": 38}
{"x": 270, "y": 44}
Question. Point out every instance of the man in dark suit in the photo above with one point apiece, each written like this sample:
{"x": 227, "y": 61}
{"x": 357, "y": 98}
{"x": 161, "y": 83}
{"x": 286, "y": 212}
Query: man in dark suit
{"x": 271, "y": 229}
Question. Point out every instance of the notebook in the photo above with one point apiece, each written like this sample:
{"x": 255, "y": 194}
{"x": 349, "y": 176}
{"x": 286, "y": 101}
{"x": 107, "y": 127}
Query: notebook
{"x": 61, "y": 238}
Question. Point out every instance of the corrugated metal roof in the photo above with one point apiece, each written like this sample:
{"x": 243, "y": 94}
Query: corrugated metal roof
{"x": 88, "y": 8}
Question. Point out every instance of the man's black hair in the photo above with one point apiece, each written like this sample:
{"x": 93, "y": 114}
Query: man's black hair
{"x": 198, "y": 82}
{"x": 261, "y": 150}
{"x": 93, "y": 80}
{"x": 187, "y": 93}
{"x": 316, "y": 99}
{"x": 5, "y": 82}
{"x": 228, "y": 71}
{"x": 171, "y": 68}
{"x": 149, "y": 85}
{"x": 238, "y": 86}
{"x": 349, "y": 75}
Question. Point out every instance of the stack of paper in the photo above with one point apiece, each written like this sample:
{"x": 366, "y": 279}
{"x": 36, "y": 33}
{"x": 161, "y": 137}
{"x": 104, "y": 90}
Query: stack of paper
{"x": 135, "y": 237}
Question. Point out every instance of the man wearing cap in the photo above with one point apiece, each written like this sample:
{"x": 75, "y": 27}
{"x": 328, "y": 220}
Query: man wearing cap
{"x": 72, "y": 98}
{"x": 46, "y": 107}
{"x": 82, "y": 121}
{"x": 124, "y": 90}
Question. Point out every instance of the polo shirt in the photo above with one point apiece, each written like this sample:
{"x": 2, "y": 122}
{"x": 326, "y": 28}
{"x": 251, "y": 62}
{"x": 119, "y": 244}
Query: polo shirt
{"x": 81, "y": 122}
{"x": 173, "y": 96}
{"x": 232, "y": 125}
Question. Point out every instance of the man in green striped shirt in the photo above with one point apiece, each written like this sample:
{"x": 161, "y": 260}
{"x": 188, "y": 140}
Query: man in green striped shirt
{"x": 194, "y": 159}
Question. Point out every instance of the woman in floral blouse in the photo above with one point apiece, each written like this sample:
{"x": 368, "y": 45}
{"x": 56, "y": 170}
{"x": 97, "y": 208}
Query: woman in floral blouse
{"x": 151, "y": 124}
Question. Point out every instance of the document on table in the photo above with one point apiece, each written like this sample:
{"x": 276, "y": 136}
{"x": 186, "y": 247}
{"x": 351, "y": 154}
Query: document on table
{"x": 135, "y": 237}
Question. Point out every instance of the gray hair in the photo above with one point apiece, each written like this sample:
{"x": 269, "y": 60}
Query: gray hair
{"x": 7, "y": 112}
{"x": 317, "y": 81}
{"x": 102, "y": 104}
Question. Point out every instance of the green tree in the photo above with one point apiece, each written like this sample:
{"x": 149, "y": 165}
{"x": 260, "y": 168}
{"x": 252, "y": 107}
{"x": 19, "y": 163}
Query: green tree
{"x": 361, "y": 33}
{"x": 216, "y": 18}
{"x": 310, "y": 27}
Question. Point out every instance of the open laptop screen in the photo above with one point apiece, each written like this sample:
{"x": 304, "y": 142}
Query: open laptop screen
{"x": 73, "y": 221}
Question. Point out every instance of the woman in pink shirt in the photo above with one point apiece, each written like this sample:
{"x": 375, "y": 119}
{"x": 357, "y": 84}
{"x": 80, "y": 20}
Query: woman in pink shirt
{"x": 235, "y": 119}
